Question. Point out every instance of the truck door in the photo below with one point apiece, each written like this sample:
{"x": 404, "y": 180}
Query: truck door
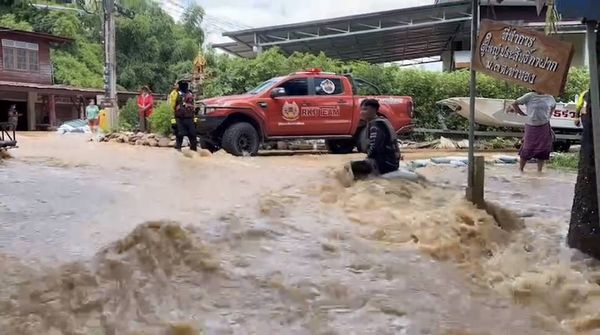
{"x": 330, "y": 110}
{"x": 284, "y": 117}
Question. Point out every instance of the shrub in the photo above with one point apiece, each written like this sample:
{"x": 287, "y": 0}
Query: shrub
{"x": 567, "y": 161}
{"x": 128, "y": 115}
{"x": 160, "y": 121}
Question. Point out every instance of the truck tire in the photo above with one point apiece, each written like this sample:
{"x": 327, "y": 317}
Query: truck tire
{"x": 341, "y": 147}
{"x": 241, "y": 139}
{"x": 362, "y": 140}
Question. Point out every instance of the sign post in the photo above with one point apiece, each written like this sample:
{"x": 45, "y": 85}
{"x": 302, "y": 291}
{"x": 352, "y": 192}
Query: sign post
{"x": 523, "y": 56}
{"x": 518, "y": 55}
{"x": 473, "y": 92}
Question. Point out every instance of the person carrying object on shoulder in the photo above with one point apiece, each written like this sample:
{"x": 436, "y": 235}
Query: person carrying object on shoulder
{"x": 383, "y": 153}
{"x": 539, "y": 137}
{"x": 184, "y": 116}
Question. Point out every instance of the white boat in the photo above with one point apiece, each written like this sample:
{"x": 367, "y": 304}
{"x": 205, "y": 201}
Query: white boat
{"x": 492, "y": 112}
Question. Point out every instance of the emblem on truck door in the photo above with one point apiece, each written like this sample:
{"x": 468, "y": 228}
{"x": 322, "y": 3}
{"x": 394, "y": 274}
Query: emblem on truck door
{"x": 290, "y": 111}
{"x": 328, "y": 86}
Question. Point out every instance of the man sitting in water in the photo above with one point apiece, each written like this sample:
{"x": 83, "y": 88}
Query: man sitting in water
{"x": 383, "y": 154}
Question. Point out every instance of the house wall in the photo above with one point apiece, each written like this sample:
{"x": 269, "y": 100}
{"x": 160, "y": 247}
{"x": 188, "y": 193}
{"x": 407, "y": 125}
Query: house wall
{"x": 44, "y": 73}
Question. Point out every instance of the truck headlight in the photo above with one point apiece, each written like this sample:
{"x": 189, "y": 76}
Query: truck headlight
{"x": 208, "y": 110}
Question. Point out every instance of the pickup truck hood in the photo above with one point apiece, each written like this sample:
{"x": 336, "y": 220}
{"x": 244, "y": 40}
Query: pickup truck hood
{"x": 228, "y": 101}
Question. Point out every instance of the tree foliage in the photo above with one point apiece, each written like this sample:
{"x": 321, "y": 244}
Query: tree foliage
{"x": 152, "y": 49}
{"x": 160, "y": 120}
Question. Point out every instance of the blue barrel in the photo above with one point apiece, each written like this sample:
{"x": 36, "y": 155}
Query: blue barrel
{"x": 579, "y": 9}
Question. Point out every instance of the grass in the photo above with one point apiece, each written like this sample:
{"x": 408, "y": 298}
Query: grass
{"x": 568, "y": 162}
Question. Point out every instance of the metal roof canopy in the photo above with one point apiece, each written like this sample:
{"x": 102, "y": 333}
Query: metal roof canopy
{"x": 378, "y": 37}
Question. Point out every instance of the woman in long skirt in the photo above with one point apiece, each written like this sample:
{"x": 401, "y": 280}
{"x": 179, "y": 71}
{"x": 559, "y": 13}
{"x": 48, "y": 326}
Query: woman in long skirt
{"x": 539, "y": 137}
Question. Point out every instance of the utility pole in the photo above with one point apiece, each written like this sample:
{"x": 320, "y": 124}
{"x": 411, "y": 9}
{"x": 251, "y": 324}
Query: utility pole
{"x": 471, "y": 187}
{"x": 110, "y": 62}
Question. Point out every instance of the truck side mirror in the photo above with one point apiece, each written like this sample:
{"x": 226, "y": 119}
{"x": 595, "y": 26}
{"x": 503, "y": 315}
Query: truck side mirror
{"x": 278, "y": 92}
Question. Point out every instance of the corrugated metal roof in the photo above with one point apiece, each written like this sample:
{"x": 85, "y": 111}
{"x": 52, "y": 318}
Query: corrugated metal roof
{"x": 378, "y": 37}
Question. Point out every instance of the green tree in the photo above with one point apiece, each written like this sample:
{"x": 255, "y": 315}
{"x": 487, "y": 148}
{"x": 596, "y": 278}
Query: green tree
{"x": 192, "y": 20}
{"x": 11, "y": 21}
{"x": 152, "y": 49}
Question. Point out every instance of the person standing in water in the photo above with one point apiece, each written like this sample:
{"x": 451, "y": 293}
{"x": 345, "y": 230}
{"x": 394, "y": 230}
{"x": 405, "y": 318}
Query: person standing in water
{"x": 92, "y": 112}
{"x": 383, "y": 153}
{"x": 13, "y": 118}
{"x": 539, "y": 137}
{"x": 184, "y": 115}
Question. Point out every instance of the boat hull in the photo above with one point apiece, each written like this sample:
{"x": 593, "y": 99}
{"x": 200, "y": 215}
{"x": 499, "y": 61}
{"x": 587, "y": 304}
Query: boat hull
{"x": 492, "y": 112}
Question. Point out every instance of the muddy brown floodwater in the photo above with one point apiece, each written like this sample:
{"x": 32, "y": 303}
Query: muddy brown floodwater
{"x": 116, "y": 239}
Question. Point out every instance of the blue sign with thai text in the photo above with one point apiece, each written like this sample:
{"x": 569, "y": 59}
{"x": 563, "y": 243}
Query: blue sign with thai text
{"x": 579, "y": 9}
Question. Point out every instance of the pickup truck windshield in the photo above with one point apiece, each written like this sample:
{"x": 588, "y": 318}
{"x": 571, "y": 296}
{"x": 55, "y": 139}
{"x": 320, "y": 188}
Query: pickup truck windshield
{"x": 264, "y": 86}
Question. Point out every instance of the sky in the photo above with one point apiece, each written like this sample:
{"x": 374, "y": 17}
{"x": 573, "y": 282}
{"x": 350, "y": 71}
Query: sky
{"x": 237, "y": 14}
{"x": 231, "y": 15}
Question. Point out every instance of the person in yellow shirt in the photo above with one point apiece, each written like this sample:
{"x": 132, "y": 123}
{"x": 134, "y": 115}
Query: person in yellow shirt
{"x": 581, "y": 106}
{"x": 173, "y": 104}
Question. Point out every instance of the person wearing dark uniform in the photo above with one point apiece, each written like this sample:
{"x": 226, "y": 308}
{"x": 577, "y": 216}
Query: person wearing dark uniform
{"x": 184, "y": 116}
{"x": 383, "y": 153}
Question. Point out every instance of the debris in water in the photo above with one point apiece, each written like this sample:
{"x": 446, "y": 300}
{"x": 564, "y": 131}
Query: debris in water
{"x": 4, "y": 154}
{"x": 344, "y": 175}
{"x": 506, "y": 219}
{"x": 182, "y": 329}
{"x": 204, "y": 153}
{"x": 187, "y": 153}
{"x": 329, "y": 198}
{"x": 328, "y": 246}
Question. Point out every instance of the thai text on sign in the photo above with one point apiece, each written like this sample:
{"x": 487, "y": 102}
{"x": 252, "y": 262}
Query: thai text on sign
{"x": 522, "y": 56}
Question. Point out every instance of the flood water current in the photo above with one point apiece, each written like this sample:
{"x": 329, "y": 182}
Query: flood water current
{"x": 103, "y": 238}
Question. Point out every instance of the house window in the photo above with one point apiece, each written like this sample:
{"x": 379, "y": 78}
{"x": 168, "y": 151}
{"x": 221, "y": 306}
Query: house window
{"x": 20, "y": 56}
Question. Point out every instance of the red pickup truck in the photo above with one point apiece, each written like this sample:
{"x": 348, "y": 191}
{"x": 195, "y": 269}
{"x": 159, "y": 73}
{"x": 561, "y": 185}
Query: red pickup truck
{"x": 303, "y": 105}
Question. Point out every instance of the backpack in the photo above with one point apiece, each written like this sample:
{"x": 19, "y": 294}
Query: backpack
{"x": 185, "y": 105}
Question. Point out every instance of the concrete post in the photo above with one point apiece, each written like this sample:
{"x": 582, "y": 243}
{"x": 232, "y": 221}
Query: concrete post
{"x": 52, "y": 110}
{"x": 31, "y": 117}
{"x": 476, "y": 193}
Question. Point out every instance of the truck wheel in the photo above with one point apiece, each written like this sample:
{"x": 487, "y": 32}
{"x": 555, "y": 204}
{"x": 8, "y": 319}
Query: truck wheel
{"x": 340, "y": 146}
{"x": 362, "y": 140}
{"x": 241, "y": 139}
